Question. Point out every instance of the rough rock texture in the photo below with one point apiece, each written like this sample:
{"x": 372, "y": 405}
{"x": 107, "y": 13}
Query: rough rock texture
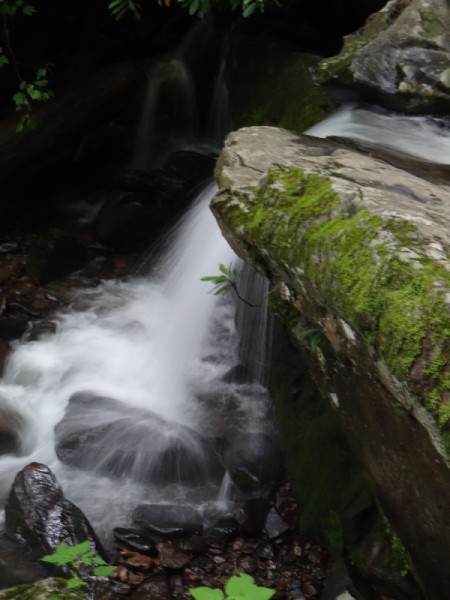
{"x": 400, "y": 57}
{"x": 357, "y": 252}
{"x": 41, "y": 590}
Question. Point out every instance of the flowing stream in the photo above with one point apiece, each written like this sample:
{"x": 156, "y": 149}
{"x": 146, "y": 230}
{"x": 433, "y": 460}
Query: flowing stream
{"x": 128, "y": 399}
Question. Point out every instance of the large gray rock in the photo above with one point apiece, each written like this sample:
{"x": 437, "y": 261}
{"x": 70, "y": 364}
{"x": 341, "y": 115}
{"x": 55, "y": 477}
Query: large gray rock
{"x": 357, "y": 253}
{"x": 400, "y": 57}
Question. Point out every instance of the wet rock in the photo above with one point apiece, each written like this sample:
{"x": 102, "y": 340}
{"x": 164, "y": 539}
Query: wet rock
{"x": 159, "y": 185}
{"x": 190, "y": 166}
{"x": 237, "y": 374}
{"x": 16, "y": 567}
{"x": 222, "y": 532}
{"x": 253, "y": 461}
{"x": 55, "y": 259}
{"x": 12, "y": 328}
{"x": 248, "y": 564}
{"x": 37, "y": 513}
{"x": 170, "y": 555}
{"x": 275, "y": 525}
{"x": 168, "y": 521}
{"x": 127, "y": 218}
{"x": 11, "y": 428}
{"x": 156, "y": 588}
{"x": 44, "y": 588}
{"x": 135, "y": 539}
{"x": 95, "y": 434}
{"x": 256, "y": 513}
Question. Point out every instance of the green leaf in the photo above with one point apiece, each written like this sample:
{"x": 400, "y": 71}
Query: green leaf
{"x": 81, "y": 548}
{"x": 40, "y": 73}
{"x": 4, "y": 60}
{"x": 20, "y": 100}
{"x": 74, "y": 582}
{"x": 206, "y": 593}
{"x": 104, "y": 571}
{"x": 28, "y": 10}
{"x": 223, "y": 269}
{"x": 249, "y": 10}
{"x": 221, "y": 289}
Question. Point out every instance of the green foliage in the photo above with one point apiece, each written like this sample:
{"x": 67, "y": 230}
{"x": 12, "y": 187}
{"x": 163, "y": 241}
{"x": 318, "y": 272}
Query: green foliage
{"x": 29, "y": 93}
{"x": 119, "y": 8}
{"x": 75, "y": 556}
{"x": 225, "y": 281}
{"x": 11, "y": 8}
{"x": 313, "y": 336}
{"x": 238, "y": 587}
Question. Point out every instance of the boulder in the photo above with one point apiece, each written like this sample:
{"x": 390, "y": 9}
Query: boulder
{"x": 41, "y": 590}
{"x": 168, "y": 520}
{"x": 118, "y": 440}
{"x": 38, "y": 514}
{"x": 357, "y": 254}
{"x": 399, "y": 58}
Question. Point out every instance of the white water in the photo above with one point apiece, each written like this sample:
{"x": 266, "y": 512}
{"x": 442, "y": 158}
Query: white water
{"x": 426, "y": 138}
{"x": 161, "y": 343}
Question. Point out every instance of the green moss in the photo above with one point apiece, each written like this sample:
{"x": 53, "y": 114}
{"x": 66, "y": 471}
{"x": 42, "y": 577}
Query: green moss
{"x": 371, "y": 269}
{"x": 41, "y": 590}
{"x": 261, "y": 95}
{"x": 431, "y": 25}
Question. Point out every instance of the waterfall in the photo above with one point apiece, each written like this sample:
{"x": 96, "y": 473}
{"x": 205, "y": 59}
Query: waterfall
{"x": 406, "y": 135}
{"x": 169, "y": 115}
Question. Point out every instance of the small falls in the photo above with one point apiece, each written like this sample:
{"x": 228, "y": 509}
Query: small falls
{"x": 423, "y": 137}
{"x": 150, "y": 388}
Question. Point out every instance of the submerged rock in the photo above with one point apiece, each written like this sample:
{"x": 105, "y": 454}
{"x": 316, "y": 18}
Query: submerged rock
{"x": 102, "y": 434}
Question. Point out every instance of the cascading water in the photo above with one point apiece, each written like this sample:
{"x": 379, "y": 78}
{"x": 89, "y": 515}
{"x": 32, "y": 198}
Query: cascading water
{"x": 426, "y": 138}
{"x": 132, "y": 396}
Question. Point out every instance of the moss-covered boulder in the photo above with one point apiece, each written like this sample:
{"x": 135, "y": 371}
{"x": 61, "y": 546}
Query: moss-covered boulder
{"x": 357, "y": 253}
{"x": 400, "y": 57}
{"x": 41, "y": 590}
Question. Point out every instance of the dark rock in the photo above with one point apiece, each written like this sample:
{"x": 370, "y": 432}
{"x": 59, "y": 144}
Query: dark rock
{"x": 237, "y": 374}
{"x": 12, "y": 329}
{"x": 12, "y": 426}
{"x": 58, "y": 258}
{"x": 160, "y": 186}
{"x": 275, "y": 526}
{"x": 156, "y": 588}
{"x": 190, "y": 166}
{"x": 38, "y": 515}
{"x": 248, "y": 564}
{"x": 170, "y": 555}
{"x": 117, "y": 440}
{"x": 126, "y": 219}
{"x": 135, "y": 539}
{"x": 256, "y": 511}
{"x": 222, "y": 532}
{"x": 253, "y": 460}
{"x": 169, "y": 520}
{"x": 16, "y": 567}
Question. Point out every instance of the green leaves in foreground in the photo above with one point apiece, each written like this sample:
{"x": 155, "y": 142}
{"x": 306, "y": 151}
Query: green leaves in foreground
{"x": 225, "y": 281}
{"x": 75, "y": 556}
{"x": 239, "y": 587}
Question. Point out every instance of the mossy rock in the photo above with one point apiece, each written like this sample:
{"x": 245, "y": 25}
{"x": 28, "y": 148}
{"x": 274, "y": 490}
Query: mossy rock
{"x": 42, "y": 590}
{"x": 358, "y": 251}
{"x": 274, "y": 85}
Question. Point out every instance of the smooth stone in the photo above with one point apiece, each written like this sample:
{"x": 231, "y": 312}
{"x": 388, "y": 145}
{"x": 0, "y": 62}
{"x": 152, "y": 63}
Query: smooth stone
{"x": 135, "y": 539}
{"x": 169, "y": 521}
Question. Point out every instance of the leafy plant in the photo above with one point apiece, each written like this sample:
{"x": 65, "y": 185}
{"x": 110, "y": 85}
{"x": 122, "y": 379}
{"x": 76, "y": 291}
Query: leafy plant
{"x": 29, "y": 93}
{"x": 75, "y": 556}
{"x": 119, "y": 8}
{"x": 238, "y": 587}
{"x": 313, "y": 336}
{"x": 226, "y": 281}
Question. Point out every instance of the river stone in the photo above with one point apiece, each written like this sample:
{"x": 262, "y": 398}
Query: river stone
{"x": 275, "y": 525}
{"x": 135, "y": 539}
{"x": 359, "y": 250}
{"x": 37, "y": 514}
{"x": 400, "y": 57}
{"x": 156, "y": 588}
{"x": 253, "y": 461}
{"x": 168, "y": 520}
{"x": 11, "y": 427}
{"x": 95, "y": 434}
{"x": 16, "y": 567}
{"x": 222, "y": 532}
{"x": 170, "y": 555}
{"x": 41, "y": 590}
